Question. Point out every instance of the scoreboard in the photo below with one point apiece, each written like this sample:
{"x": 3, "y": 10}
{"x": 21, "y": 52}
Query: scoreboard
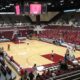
{"x": 33, "y": 9}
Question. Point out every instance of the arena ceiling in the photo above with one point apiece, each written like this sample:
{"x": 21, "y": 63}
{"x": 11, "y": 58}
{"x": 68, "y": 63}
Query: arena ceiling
{"x": 52, "y": 5}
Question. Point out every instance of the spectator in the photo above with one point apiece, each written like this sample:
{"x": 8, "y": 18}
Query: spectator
{"x": 63, "y": 65}
{"x": 26, "y": 75}
{"x": 31, "y": 75}
{"x": 34, "y": 67}
{"x": 38, "y": 77}
{"x": 48, "y": 73}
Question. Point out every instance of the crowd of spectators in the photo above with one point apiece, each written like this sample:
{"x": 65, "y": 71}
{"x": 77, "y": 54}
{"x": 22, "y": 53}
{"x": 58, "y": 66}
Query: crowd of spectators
{"x": 66, "y": 33}
{"x": 4, "y": 69}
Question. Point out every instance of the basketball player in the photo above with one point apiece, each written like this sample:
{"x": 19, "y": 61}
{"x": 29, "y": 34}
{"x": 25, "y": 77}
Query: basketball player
{"x": 27, "y": 43}
{"x": 8, "y": 47}
{"x": 2, "y": 48}
{"x": 19, "y": 41}
{"x": 52, "y": 55}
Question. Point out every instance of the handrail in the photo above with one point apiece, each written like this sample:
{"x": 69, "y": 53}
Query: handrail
{"x": 66, "y": 74}
{"x": 69, "y": 76}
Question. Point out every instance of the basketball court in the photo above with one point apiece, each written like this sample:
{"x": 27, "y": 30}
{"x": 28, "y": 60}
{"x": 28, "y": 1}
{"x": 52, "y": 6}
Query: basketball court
{"x": 33, "y": 52}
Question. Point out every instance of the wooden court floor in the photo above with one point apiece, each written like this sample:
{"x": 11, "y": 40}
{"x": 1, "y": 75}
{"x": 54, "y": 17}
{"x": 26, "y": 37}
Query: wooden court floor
{"x": 29, "y": 54}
